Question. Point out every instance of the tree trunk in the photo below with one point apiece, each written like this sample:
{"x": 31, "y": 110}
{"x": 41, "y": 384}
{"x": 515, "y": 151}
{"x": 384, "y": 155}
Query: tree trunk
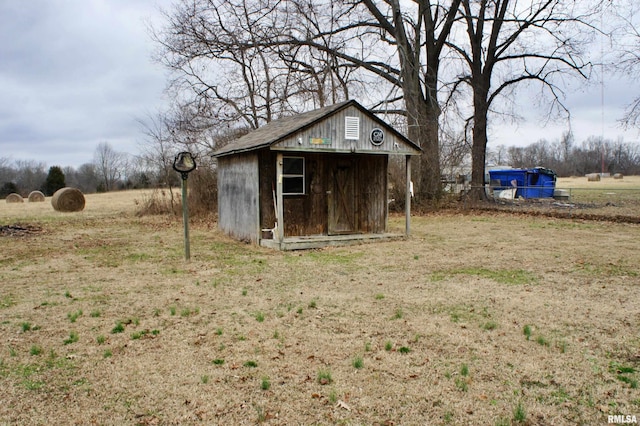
{"x": 425, "y": 168}
{"x": 479, "y": 143}
{"x": 422, "y": 119}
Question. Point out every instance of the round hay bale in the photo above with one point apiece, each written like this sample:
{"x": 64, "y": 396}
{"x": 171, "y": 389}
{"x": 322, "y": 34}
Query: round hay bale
{"x": 593, "y": 177}
{"x": 14, "y": 198}
{"x": 68, "y": 200}
{"x": 36, "y": 197}
{"x": 618, "y": 176}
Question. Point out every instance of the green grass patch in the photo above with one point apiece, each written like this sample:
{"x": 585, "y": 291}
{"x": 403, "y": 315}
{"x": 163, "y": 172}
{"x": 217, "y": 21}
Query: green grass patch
{"x": 519, "y": 414}
{"x": 324, "y": 377}
{"x": 527, "y": 331}
{"x": 73, "y": 338}
{"x": 118, "y": 328}
{"x": 187, "y": 312}
{"x": 461, "y": 384}
{"x": 265, "y": 384}
{"x": 542, "y": 341}
{"x": 358, "y": 362}
{"x": 73, "y": 316}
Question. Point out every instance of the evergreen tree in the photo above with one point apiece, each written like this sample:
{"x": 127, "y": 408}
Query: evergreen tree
{"x": 8, "y": 188}
{"x": 54, "y": 181}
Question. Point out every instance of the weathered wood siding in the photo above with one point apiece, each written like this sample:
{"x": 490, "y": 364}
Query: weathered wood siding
{"x": 238, "y": 196}
{"x": 308, "y": 214}
{"x": 332, "y": 130}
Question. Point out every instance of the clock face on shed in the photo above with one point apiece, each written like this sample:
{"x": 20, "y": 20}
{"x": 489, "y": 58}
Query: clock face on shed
{"x": 376, "y": 136}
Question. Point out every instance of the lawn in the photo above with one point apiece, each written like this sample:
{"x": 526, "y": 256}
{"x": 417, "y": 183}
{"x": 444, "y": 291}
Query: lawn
{"x": 484, "y": 318}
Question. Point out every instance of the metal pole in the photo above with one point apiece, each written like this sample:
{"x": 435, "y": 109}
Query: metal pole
{"x": 185, "y": 218}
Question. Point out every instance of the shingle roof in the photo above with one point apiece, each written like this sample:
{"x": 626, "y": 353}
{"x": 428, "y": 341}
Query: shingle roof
{"x": 278, "y": 129}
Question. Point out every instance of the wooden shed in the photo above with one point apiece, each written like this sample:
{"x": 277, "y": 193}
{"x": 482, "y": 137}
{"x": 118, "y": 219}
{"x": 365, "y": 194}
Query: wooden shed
{"x": 311, "y": 180}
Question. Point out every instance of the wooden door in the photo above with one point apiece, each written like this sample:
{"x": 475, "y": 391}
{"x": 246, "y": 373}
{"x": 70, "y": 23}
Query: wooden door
{"x": 342, "y": 198}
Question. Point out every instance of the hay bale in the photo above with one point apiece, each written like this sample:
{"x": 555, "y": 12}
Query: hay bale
{"x": 618, "y": 176}
{"x": 68, "y": 200}
{"x": 14, "y": 198}
{"x": 36, "y": 197}
{"x": 593, "y": 177}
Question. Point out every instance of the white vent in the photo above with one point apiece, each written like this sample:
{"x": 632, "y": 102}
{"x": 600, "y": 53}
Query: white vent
{"x": 352, "y": 128}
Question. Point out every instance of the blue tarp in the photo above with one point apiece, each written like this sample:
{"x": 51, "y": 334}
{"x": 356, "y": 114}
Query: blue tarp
{"x": 531, "y": 183}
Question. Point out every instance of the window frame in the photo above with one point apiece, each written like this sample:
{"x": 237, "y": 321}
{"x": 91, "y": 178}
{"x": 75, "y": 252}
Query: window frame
{"x": 286, "y": 176}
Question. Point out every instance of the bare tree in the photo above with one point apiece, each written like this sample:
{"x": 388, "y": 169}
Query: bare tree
{"x": 625, "y": 39}
{"x": 30, "y": 175}
{"x": 402, "y": 45}
{"x": 228, "y": 64}
{"x": 511, "y": 42}
{"x": 276, "y": 56}
{"x": 110, "y": 166}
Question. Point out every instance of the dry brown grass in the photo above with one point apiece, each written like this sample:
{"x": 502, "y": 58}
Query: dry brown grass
{"x": 628, "y": 182}
{"x": 438, "y": 321}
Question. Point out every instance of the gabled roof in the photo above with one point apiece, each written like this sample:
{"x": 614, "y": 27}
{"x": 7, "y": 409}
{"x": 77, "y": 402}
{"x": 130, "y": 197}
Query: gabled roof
{"x": 276, "y": 130}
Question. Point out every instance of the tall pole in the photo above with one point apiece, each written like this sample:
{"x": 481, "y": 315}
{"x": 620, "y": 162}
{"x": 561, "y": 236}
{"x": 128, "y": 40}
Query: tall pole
{"x": 184, "y": 163}
{"x": 185, "y": 218}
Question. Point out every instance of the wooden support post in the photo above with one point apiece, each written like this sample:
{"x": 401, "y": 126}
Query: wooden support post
{"x": 185, "y": 218}
{"x": 407, "y": 204}
{"x": 279, "y": 198}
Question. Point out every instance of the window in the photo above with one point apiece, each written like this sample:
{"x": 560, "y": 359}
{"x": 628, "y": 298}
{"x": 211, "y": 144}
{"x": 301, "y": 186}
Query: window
{"x": 293, "y": 176}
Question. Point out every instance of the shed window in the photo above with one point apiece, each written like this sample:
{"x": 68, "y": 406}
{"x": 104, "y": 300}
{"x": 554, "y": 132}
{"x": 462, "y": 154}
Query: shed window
{"x": 293, "y": 176}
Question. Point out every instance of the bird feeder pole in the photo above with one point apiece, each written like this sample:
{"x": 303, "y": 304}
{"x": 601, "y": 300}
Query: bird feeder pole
{"x": 184, "y": 163}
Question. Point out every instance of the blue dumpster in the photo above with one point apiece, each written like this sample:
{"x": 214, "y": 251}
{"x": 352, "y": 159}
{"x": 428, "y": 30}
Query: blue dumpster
{"x": 530, "y": 183}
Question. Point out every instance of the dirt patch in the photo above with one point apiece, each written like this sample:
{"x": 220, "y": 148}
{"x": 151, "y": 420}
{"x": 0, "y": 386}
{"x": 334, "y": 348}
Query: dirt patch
{"x": 562, "y": 210}
{"x": 20, "y": 230}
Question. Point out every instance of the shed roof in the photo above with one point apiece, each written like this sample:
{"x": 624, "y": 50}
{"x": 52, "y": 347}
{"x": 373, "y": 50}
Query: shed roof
{"x": 276, "y": 130}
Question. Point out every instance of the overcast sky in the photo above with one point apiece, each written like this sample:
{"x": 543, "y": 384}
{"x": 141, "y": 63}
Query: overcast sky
{"x": 74, "y": 73}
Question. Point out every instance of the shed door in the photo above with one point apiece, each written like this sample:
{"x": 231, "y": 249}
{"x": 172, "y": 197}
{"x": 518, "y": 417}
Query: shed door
{"x": 342, "y": 198}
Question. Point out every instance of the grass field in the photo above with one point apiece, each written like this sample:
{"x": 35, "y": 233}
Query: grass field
{"x": 486, "y": 318}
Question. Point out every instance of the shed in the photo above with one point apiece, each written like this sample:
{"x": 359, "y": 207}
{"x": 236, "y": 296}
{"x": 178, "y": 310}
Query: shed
{"x": 311, "y": 180}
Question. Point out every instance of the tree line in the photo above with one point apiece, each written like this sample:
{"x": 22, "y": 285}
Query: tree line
{"x": 110, "y": 170}
{"x": 568, "y": 158}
